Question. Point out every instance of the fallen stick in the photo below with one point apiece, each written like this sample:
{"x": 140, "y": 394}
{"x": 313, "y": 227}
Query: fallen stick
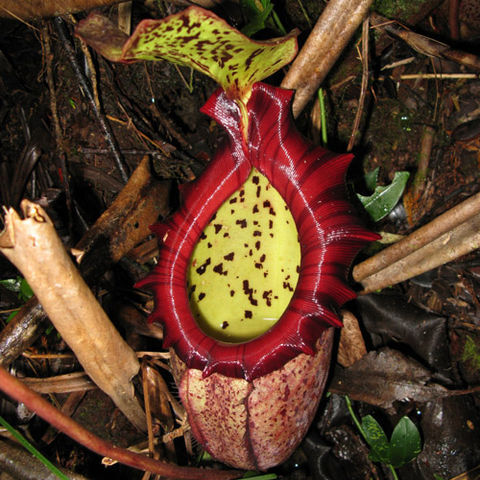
{"x": 419, "y": 238}
{"x": 331, "y": 34}
{"x": 458, "y": 241}
{"x": 34, "y": 247}
{"x": 124, "y": 224}
{"x": 18, "y": 391}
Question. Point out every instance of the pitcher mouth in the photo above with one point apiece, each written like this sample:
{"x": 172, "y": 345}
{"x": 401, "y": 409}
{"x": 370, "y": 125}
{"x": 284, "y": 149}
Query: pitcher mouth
{"x": 245, "y": 266}
{"x": 310, "y": 180}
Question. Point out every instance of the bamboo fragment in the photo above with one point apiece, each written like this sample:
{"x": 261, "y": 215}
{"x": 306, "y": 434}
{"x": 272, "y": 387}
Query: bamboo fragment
{"x": 34, "y": 247}
{"x": 459, "y": 241}
{"x": 419, "y": 238}
{"x": 331, "y": 34}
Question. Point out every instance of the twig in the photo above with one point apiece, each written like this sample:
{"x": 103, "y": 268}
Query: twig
{"x": 18, "y": 391}
{"x": 125, "y": 223}
{"x": 423, "y": 161}
{"x": 327, "y": 40}
{"x": 23, "y": 9}
{"x": 51, "y": 87}
{"x": 427, "y": 46}
{"x": 21, "y": 332}
{"x": 363, "y": 91}
{"x": 69, "y": 382}
{"x": 453, "y": 19}
{"x": 108, "y": 134}
{"x": 457, "y": 215}
{"x": 440, "y": 76}
{"x": 459, "y": 241}
{"x": 33, "y": 246}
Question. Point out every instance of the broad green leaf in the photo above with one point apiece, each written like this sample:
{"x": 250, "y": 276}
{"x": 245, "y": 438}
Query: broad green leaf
{"x": 384, "y": 198}
{"x": 371, "y": 179}
{"x": 196, "y": 38}
{"x": 18, "y": 285}
{"x": 257, "y": 16}
{"x": 12, "y": 284}
{"x": 25, "y": 291}
{"x": 405, "y": 443}
{"x": 376, "y": 439}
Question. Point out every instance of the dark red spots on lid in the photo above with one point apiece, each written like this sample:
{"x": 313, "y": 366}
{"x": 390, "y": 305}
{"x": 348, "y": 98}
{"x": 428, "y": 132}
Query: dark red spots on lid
{"x": 201, "y": 296}
{"x": 224, "y": 325}
{"x": 257, "y": 233}
{"x": 217, "y": 227}
{"x": 258, "y": 244}
{"x": 263, "y": 257}
{"x": 232, "y": 293}
{"x": 255, "y": 180}
{"x": 233, "y": 200}
{"x": 229, "y": 256}
{"x": 203, "y": 236}
{"x": 255, "y": 209}
{"x": 248, "y": 314}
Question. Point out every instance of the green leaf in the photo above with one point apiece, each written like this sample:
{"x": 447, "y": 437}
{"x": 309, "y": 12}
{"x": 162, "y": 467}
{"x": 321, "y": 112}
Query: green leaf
{"x": 28, "y": 446}
{"x": 376, "y": 439}
{"x": 384, "y": 198}
{"x": 11, "y": 316}
{"x": 371, "y": 179}
{"x": 20, "y": 286}
{"x": 405, "y": 443}
{"x": 12, "y": 284}
{"x": 196, "y": 38}
{"x": 25, "y": 292}
{"x": 256, "y": 16}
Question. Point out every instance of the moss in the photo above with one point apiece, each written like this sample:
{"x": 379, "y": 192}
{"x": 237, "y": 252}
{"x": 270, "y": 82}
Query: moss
{"x": 399, "y": 9}
{"x": 471, "y": 353}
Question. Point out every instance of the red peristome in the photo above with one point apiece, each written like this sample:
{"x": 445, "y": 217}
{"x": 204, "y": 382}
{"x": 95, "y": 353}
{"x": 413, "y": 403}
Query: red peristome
{"x": 311, "y": 181}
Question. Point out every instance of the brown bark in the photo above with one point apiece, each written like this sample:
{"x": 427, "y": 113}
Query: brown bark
{"x": 18, "y": 391}
{"x": 28, "y": 9}
{"x": 330, "y": 36}
{"x": 459, "y": 241}
{"x": 33, "y": 246}
{"x": 457, "y": 215}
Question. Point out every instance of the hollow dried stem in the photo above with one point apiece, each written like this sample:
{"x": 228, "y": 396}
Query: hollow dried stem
{"x": 17, "y": 390}
{"x": 34, "y": 247}
{"x": 421, "y": 237}
{"x": 331, "y": 34}
{"x": 456, "y": 242}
